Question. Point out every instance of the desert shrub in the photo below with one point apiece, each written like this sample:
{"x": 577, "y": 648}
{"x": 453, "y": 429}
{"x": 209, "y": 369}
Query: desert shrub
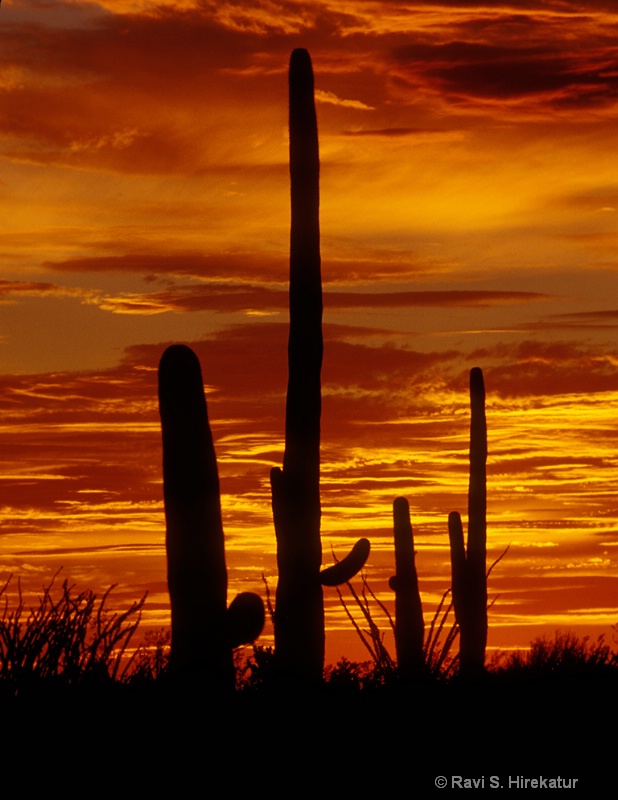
{"x": 440, "y": 636}
{"x": 564, "y": 654}
{"x": 150, "y": 662}
{"x": 356, "y": 676}
{"x": 70, "y": 637}
{"x": 257, "y": 670}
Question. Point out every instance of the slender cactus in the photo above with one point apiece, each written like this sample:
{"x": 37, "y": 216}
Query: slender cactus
{"x": 299, "y": 607}
{"x": 468, "y": 565}
{"x": 204, "y": 630}
{"x": 409, "y": 625}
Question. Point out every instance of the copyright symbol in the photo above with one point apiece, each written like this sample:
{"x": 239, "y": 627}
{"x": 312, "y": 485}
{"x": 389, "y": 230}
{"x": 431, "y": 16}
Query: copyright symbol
{"x": 441, "y": 782}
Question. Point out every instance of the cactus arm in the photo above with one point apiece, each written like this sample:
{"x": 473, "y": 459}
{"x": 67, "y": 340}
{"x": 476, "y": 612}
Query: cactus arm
{"x": 409, "y": 625}
{"x": 458, "y": 568}
{"x": 245, "y": 619}
{"x": 202, "y": 626}
{"x": 344, "y": 570}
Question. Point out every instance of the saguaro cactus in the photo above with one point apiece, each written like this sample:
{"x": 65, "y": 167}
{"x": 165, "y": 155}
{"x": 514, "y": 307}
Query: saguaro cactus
{"x": 409, "y": 625}
{"x": 468, "y": 565}
{"x": 299, "y": 605}
{"x": 204, "y": 630}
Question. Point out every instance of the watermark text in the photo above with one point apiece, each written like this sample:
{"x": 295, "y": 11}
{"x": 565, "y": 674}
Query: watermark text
{"x": 505, "y": 782}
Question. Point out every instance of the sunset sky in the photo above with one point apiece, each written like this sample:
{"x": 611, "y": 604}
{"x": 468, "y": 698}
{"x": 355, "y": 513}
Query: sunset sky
{"x": 469, "y": 213}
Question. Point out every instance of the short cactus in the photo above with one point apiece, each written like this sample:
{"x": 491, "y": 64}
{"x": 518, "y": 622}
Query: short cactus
{"x": 409, "y": 625}
{"x": 204, "y": 630}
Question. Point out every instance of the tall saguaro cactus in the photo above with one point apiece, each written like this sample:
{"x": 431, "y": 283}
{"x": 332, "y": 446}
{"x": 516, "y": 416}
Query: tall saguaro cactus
{"x": 299, "y": 605}
{"x": 468, "y": 565}
{"x": 204, "y": 630}
{"x": 409, "y": 625}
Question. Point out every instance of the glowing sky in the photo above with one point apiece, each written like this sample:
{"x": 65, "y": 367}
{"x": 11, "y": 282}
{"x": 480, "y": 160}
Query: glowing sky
{"x": 469, "y": 217}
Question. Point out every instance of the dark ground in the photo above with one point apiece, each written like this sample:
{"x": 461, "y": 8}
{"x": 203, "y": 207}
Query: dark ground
{"x": 387, "y": 740}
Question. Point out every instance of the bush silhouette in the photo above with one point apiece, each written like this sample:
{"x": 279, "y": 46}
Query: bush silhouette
{"x": 564, "y": 655}
{"x": 70, "y": 638}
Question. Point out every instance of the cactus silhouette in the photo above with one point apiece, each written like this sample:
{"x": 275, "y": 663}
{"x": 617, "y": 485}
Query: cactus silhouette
{"x": 299, "y": 603}
{"x": 468, "y": 565}
{"x": 204, "y": 630}
{"x": 409, "y": 625}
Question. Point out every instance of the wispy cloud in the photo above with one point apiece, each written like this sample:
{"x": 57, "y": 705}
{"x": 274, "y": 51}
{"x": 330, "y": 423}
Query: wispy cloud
{"x": 331, "y": 98}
